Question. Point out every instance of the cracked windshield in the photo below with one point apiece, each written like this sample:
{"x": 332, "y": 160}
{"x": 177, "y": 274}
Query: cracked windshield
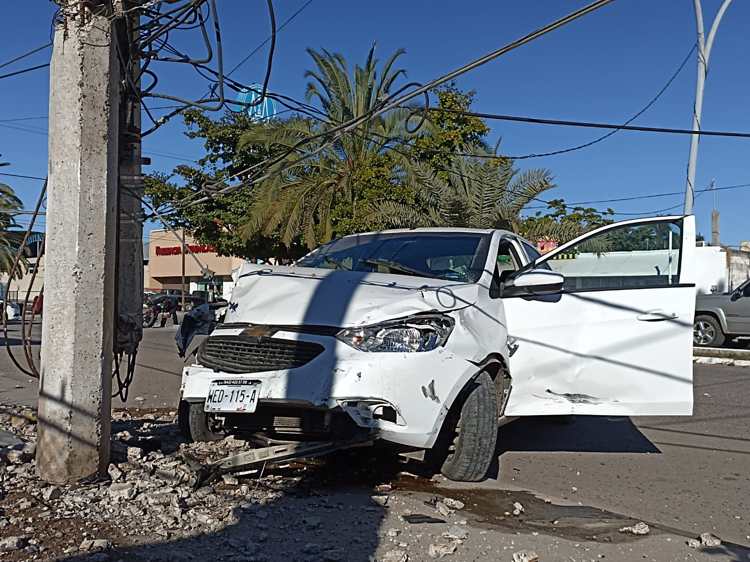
{"x": 454, "y": 257}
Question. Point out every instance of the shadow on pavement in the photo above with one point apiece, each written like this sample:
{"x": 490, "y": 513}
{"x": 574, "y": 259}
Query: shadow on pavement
{"x": 576, "y": 434}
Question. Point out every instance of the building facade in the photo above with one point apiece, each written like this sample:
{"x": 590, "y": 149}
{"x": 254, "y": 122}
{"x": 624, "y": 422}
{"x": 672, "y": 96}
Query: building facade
{"x": 200, "y": 266}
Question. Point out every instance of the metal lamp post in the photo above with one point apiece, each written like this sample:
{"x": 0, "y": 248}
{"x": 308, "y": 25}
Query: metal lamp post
{"x": 704, "y": 52}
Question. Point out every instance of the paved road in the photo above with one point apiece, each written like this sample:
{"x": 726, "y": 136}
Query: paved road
{"x": 691, "y": 474}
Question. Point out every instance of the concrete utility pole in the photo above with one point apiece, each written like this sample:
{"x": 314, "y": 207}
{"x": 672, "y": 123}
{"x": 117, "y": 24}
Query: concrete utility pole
{"x": 704, "y": 52}
{"x": 78, "y": 323}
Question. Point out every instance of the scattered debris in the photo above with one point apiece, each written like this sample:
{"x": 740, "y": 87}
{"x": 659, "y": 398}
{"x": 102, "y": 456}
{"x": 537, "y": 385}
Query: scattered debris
{"x": 456, "y": 533}
{"x": 10, "y": 544}
{"x": 442, "y": 508}
{"x": 517, "y": 509}
{"x": 639, "y": 528}
{"x": 439, "y": 550}
{"x": 453, "y": 504}
{"x": 395, "y": 556}
{"x": 525, "y": 556}
{"x": 381, "y": 501}
{"x": 706, "y": 540}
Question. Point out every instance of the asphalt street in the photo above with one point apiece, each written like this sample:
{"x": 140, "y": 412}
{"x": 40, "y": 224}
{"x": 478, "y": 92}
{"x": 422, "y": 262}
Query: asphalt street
{"x": 687, "y": 475}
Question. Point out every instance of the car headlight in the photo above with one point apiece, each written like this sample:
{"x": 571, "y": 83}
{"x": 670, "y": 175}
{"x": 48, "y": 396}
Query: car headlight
{"x": 417, "y": 333}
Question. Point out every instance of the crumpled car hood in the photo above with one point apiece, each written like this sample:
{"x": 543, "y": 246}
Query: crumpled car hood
{"x": 294, "y": 296}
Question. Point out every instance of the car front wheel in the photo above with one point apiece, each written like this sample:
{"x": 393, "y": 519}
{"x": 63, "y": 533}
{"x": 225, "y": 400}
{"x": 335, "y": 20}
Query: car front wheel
{"x": 707, "y": 332}
{"x": 195, "y": 424}
{"x": 466, "y": 444}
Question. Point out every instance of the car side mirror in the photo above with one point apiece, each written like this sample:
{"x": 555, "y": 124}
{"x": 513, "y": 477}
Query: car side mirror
{"x": 534, "y": 282}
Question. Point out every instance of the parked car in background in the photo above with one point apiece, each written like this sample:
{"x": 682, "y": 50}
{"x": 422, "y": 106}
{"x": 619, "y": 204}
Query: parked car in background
{"x": 158, "y": 305}
{"x": 428, "y": 339}
{"x": 722, "y": 317}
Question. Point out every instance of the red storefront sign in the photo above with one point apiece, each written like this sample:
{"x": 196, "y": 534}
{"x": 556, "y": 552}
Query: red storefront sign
{"x": 177, "y": 250}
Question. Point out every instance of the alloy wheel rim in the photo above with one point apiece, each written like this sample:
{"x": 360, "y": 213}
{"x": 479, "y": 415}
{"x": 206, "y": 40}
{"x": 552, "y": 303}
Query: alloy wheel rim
{"x": 703, "y": 333}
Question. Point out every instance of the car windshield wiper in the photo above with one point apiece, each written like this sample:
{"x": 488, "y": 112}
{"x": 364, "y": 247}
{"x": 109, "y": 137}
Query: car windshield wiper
{"x": 395, "y": 266}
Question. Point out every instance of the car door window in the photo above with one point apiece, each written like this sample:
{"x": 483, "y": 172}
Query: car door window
{"x": 506, "y": 258}
{"x": 630, "y": 256}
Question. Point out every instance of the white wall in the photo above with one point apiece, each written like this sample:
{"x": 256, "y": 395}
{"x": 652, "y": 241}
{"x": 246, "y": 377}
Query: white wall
{"x": 711, "y": 270}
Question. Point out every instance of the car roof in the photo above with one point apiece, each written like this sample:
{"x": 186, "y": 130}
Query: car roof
{"x": 433, "y": 230}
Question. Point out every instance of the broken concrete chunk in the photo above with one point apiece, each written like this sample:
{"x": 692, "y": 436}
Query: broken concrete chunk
{"x": 17, "y": 456}
{"x": 380, "y": 500}
{"x": 694, "y": 543}
{"x": 525, "y": 556}
{"x": 51, "y": 493}
{"x": 453, "y": 504}
{"x": 518, "y": 508}
{"x": 440, "y": 550}
{"x": 230, "y": 480}
{"x": 115, "y": 473}
{"x": 710, "y": 541}
{"x": 122, "y": 491}
{"x": 395, "y": 556}
{"x": 455, "y": 532}
{"x": 9, "y": 544}
{"x": 639, "y": 528}
{"x": 443, "y": 509}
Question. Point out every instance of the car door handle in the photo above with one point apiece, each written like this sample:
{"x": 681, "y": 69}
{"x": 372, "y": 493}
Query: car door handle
{"x": 656, "y": 316}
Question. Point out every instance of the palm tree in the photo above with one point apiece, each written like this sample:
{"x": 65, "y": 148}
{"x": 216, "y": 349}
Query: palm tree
{"x": 300, "y": 199}
{"x": 9, "y": 240}
{"x": 479, "y": 192}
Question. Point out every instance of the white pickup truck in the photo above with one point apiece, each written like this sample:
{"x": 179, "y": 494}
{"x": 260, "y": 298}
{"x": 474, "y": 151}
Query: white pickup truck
{"x": 428, "y": 338}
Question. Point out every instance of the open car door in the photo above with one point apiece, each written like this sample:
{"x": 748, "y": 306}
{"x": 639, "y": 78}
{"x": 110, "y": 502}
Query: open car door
{"x": 617, "y": 340}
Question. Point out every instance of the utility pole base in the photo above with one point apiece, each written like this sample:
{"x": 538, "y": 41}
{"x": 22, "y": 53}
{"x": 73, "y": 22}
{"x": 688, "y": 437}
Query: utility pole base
{"x": 78, "y": 323}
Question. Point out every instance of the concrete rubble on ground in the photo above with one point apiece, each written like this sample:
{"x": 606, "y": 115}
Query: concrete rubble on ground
{"x": 148, "y": 502}
{"x": 639, "y": 528}
{"x": 150, "y": 491}
{"x": 706, "y": 540}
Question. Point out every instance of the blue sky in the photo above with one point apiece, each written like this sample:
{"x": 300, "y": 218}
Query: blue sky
{"x": 604, "y": 67}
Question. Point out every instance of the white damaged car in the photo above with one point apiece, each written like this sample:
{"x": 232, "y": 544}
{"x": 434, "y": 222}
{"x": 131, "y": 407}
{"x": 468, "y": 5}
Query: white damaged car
{"x": 429, "y": 338}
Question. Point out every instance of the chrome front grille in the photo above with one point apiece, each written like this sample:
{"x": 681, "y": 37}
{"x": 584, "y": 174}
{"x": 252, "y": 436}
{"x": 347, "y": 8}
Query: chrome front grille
{"x": 247, "y": 354}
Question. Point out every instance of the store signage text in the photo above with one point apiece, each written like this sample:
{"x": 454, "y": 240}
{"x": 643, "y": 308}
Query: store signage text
{"x": 177, "y": 250}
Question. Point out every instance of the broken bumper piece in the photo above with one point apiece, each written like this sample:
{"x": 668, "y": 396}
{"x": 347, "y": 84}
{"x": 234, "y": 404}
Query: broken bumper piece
{"x": 400, "y": 397}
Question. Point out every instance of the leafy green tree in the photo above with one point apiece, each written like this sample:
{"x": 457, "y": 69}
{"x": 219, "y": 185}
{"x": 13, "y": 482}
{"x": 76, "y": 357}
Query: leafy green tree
{"x": 9, "y": 239}
{"x": 218, "y": 221}
{"x": 330, "y": 193}
{"x": 449, "y": 130}
{"x": 475, "y": 192}
{"x": 562, "y": 223}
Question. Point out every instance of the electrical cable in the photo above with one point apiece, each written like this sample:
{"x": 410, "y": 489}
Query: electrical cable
{"x": 267, "y": 39}
{"x": 594, "y": 125}
{"x": 23, "y": 71}
{"x": 646, "y": 196}
{"x": 23, "y": 176}
{"x": 28, "y": 54}
{"x": 393, "y": 102}
{"x": 32, "y": 371}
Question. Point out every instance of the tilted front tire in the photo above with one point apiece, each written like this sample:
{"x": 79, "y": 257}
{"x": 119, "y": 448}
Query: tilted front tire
{"x": 466, "y": 444}
{"x": 193, "y": 422}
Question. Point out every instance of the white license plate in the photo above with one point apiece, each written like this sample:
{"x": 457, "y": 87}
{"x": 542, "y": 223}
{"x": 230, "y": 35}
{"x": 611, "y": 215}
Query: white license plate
{"x": 232, "y": 395}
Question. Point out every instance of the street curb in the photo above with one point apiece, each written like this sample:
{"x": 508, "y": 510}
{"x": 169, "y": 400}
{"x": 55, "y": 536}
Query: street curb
{"x": 721, "y": 356}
